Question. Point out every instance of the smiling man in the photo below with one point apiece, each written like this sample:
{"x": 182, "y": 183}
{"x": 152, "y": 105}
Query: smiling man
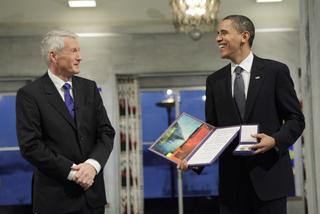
{"x": 64, "y": 132}
{"x": 252, "y": 90}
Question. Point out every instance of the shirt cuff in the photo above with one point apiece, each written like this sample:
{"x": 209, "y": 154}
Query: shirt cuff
{"x": 95, "y": 164}
{"x": 71, "y": 174}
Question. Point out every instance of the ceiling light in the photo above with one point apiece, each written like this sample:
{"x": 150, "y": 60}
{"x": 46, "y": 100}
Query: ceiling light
{"x": 195, "y": 17}
{"x": 267, "y": 1}
{"x": 82, "y": 3}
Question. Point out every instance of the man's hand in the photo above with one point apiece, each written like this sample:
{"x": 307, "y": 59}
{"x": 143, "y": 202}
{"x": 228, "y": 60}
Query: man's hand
{"x": 266, "y": 143}
{"x": 182, "y": 165}
{"x": 84, "y": 175}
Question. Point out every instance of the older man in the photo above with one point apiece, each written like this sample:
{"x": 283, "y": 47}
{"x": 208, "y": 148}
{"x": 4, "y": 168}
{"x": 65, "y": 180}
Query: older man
{"x": 64, "y": 132}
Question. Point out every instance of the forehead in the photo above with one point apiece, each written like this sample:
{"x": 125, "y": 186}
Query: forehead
{"x": 226, "y": 25}
{"x": 71, "y": 42}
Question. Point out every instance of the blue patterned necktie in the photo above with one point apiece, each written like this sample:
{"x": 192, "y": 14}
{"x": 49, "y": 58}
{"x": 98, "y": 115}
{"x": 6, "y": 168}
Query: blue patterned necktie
{"x": 238, "y": 91}
{"x": 68, "y": 99}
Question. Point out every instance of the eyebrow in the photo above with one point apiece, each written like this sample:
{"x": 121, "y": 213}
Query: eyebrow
{"x": 222, "y": 31}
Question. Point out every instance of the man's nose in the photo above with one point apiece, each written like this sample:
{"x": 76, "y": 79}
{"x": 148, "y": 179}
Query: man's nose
{"x": 78, "y": 57}
{"x": 218, "y": 38}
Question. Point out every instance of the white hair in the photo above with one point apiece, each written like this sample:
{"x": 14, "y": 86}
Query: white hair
{"x": 54, "y": 41}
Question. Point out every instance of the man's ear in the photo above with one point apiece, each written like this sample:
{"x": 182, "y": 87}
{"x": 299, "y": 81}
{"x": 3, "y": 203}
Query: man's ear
{"x": 53, "y": 56}
{"x": 245, "y": 37}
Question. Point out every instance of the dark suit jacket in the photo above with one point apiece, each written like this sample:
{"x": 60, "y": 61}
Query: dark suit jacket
{"x": 52, "y": 141}
{"x": 272, "y": 103}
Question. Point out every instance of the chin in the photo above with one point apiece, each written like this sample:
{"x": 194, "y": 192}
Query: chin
{"x": 223, "y": 55}
{"x": 76, "y": 71}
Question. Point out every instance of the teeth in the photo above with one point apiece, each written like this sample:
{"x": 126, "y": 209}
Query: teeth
{"x": 222, "y": 46}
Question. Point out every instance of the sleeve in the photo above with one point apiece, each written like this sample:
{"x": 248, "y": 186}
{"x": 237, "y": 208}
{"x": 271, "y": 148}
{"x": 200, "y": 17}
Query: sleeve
{"x": 105, "y": 132}
{"x": 289, "y": 111}
{"x": 30, "y": 138}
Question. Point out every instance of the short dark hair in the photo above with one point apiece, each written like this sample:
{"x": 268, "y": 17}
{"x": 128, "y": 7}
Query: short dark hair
{"x": 242, "y": 24}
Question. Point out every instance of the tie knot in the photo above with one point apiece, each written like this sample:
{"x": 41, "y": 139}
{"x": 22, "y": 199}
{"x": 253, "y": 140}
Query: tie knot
{"x": 66, "y": 86}
{"x": 238, "y": 70}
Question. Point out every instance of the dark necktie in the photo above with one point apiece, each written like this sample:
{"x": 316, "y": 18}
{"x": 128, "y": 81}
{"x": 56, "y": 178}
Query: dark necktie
{"x": 68, "y": 99}
{"x": 238, "y": 91}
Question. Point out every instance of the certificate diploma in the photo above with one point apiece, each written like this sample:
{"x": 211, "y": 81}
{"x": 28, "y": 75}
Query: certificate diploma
{"x": 211, "y": 149}
{"x": 193, "y": 140}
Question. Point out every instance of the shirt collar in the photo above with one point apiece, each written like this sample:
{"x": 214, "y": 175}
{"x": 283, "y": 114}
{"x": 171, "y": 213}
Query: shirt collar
{"x": 246, "y": 64}
{"x": 57, "y": 81}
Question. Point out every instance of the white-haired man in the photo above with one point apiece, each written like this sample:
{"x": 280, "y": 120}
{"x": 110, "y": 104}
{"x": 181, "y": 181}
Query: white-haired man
{"x": 64, "y": 132}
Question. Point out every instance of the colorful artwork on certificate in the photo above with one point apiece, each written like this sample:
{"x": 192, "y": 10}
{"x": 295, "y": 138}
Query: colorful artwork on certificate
{"x": 181, "y": 138}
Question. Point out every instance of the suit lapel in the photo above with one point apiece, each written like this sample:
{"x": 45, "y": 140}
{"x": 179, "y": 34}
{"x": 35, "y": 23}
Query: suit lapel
{"x": 77, "y": 99}
{"x": 227, "y": 81}
{"x": 55, "y": 99}
{"x": 256, "y": 81}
